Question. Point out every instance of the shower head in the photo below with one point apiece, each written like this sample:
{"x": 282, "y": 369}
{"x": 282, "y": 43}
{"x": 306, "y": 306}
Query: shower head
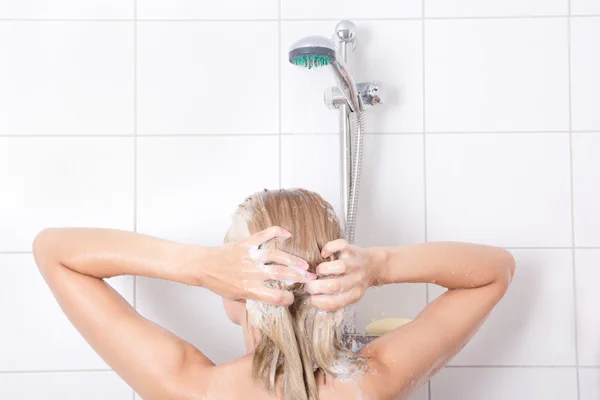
{"x": 317, "y": 51}
{"x": 312, "y": 52}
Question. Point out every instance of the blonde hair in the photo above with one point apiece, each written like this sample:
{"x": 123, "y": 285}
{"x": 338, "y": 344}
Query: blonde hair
{"x": 297, "y": 339}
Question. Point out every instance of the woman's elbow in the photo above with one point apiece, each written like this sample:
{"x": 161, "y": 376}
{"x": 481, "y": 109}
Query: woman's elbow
{"x": 506, "y": 266}
{"x": 42, "y": 246}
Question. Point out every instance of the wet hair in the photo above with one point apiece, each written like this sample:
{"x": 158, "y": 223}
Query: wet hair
{"x": 295, "y": 340}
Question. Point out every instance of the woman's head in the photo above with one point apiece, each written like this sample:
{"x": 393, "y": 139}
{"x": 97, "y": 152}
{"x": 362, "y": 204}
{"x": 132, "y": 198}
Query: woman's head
{"x": 297, "y": 338}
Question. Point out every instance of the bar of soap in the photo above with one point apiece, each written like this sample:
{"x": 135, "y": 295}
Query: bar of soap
{"x": 383, "y": 326}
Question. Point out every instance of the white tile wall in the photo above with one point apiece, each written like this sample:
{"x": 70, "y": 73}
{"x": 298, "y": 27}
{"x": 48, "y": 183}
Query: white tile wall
{"x": 493, "y": 8}
{"x": 344, "y": 9}
{"x": 186, "y": 107}
{"x": 69, "y": 181}
{"x": 191, "y": 75}
{"x": 66, "y": 78}
{"x": 65, "y": 386}
{"x": 585, "y": 80}
{"x": 586, "y": 180}
{"x": 392, "y": 191}
{"x": 585, "y": 7}
{"x": 496, "y": 75}
{"x": 312, "y": 162}
{"x": 589, "y": 383}
{"x": 190, "y": 9}
{"x": 193, "y": 172}
{"x": 67, "y": 9}
{"x": 505, "y": 383}
{"x": 587, "y": 274}
{"x": 193, "y": 313}
{"x": 499, "y": 188}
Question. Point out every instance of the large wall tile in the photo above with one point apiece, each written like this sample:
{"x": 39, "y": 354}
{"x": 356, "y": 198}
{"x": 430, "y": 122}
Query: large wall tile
{"x": 64, "y": 386}
{"x": 583, "y": 7}
{"x": 386, "y": 51}
{"x": 312, "y": 162}
{"x": 534, "y": 323}
{"x": 198, "y": 78}
{"x": 585, "y": 80}
{"x": 495, "y": 8}
{"x": 63, "y": 182}
{"x": 36, "y": 335}
{"x": 66, "y": 78}
{"x": 66, "y": 9}
{"x": 586, "y": 188}
{"x": 189, "y": 187}
{"x": 499, "y": 189}
{"x": 496, "y": 75}
{"x": 504, "y": 384}
{"x": 186, "y": 9}
{"x": 587, "y": 273}
{"x": 193, "y": 313}
{"x": 391, "y": 202}
{"x": 589, "y": 383}
{"x": 338, "y": 9}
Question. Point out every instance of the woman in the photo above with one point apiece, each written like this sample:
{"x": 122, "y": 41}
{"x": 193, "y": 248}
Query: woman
{"x": 271, "y": 232}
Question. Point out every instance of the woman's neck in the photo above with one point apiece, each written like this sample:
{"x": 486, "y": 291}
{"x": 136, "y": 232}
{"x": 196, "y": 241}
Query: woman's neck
{"x": 251, "y": 335}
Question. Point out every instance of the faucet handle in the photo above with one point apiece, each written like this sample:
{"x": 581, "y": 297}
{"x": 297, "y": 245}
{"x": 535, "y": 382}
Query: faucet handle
{"x": 370, "y": 93}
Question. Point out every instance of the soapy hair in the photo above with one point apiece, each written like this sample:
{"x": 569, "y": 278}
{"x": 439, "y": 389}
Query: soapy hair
{"x": 296, "y": 340}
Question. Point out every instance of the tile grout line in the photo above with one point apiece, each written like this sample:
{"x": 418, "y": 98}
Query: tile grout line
{"x": 229, "y": 20}
{"x": 425, "y": 230}
{"x": 197, "y": 135}
{"x": 279, "y": 59}
{"x": 574, "y": 272}
{"x": 58, "y": 371}
{"x": 28, "y": 252}
{"x": 135, "y": 143}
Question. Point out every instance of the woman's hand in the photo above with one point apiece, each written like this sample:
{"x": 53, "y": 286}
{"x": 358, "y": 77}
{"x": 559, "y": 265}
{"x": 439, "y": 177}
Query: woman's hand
{"x": 345, "y": 280}
{"x": 239, "y": 270}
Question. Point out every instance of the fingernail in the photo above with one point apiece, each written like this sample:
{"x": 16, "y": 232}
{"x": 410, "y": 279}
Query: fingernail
{"x": 303, "y": 264}
{"x": 288, "y": 234}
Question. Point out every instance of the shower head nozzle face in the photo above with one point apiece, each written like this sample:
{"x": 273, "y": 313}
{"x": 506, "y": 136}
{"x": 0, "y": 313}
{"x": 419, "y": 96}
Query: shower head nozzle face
{"x": 312, "y": 52}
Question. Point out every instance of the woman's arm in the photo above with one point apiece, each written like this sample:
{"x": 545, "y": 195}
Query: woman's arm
{"x": 156, "y": 363}
{"x": 477, "y": 278}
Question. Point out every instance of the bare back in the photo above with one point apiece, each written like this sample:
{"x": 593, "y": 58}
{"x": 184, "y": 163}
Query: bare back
{"x": 240, "y": 372}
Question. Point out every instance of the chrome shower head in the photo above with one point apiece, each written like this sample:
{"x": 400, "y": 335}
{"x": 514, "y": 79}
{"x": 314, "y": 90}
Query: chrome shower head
{"x": 312, "y": 52}
{"x": 318, "y": 51}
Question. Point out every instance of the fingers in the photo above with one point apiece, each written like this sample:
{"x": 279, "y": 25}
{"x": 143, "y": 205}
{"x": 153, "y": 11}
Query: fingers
{"x": 289, "y": 274}
{"x": 268, "y": 234}
{"x": 335, "y": 285}
{"x": 276, "y": 256}
{"x": 336, "y": 267}
{"x": 334, "y": 247}
{"x": 271, "y": 296}
{"x": 335, "y": 302}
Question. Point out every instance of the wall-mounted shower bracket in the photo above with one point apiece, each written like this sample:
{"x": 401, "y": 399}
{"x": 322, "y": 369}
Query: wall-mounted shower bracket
{"x": 370, "y": 93}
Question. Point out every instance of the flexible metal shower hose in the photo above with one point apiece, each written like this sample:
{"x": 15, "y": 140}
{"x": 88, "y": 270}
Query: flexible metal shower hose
{"x": 355, "y": 176}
